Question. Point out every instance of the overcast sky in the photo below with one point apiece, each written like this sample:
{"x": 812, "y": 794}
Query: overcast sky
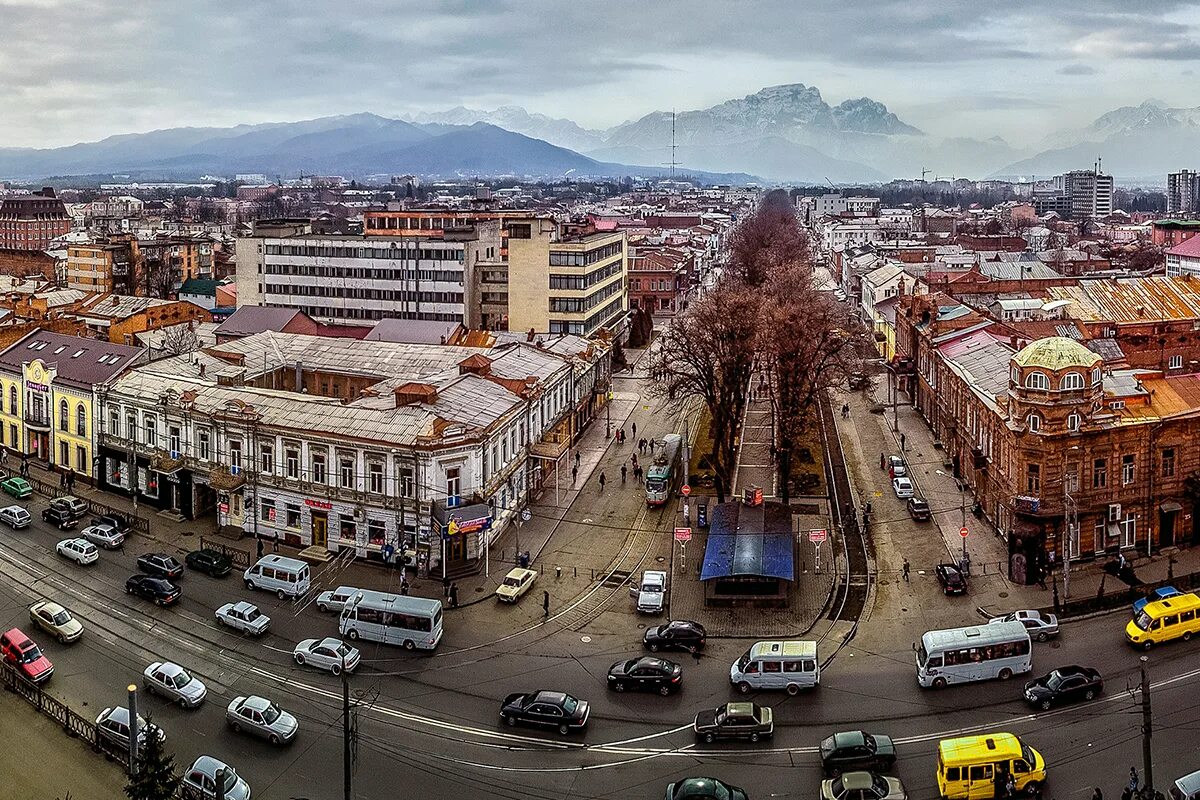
{"x": 80, "y": 71}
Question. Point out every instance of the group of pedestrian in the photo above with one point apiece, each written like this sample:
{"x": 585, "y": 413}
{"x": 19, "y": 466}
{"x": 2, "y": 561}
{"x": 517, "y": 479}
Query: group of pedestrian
{"x": 1129, "y": 792}
{"x": 637, "y": 468}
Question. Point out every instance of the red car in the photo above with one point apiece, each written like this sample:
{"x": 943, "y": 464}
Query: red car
{"x": 24, "y": 654}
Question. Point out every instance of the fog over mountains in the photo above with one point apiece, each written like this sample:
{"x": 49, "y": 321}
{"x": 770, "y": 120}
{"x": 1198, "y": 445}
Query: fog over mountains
{"x": 780, "y": 133}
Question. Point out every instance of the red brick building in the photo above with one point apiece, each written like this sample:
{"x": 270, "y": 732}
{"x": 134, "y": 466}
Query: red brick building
{"x": 31, "y": 222}
{"x": 659, "y": 279}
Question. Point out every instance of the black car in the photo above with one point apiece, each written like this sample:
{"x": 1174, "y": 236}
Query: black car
{"x": 646, "y": 674}
{"x": 550, "y": 709}
{"x": 160, "y": 565}
{"x": 735, "y": 721}
{"x": 678, "y": 634}
{"x": 60, "y": 518}
{"x": 951, "y": 578}
{"x": 856, "y": 750}
{"x": 704, "y": 789}
{"x": 211, "y": 562}
{"x": 918, "y": 509}
{"x": 1064, "y": 685}
{"x": 160, "y": 590}
{"x": 114, "y": 521}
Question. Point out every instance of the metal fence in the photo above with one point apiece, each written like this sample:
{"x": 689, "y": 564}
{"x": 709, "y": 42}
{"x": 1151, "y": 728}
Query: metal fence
{"x": 238, "y": 556}
{"x": 95, "y": 507}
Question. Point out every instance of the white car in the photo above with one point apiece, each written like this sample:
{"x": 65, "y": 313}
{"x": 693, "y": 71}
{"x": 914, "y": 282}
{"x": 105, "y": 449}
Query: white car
{"x": 200, "y": 781}
{"x": 515, "y": 584}
{"x": 903, "y": 488}
{"x": 55, "y": 620}
{"x": 106, "y": 536}
{"x": 173, "y": 681}
{"x": 113, "y": 724}
{"x": 15, "y": 517}
{"x": 260, "y": 716}
{"x": 1040, "y": 626}
{"x": 81, "y": 551}
{"x": 897, "y": 466}
{"x": 335, "y": 599}
{"x": 328, "y": 654}
{"x": 244, "y": 617}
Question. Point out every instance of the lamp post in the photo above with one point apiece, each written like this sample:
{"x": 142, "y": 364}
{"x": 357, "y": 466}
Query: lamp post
{"x": 134, "y": 729}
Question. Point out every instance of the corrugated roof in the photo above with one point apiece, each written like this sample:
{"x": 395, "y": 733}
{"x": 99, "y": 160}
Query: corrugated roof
{"x": 1138, "y": 299}
{"x": 79, "y": 362}
{"x": 249, "y": 320}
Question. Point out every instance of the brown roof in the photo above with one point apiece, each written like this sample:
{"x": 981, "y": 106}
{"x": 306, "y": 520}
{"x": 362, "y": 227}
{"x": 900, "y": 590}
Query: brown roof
{"x": 79, "y": 362}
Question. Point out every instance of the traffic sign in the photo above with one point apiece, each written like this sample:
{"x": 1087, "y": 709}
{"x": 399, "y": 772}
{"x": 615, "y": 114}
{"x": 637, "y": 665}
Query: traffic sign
{"x": 963, "y": 531}
{"x": 817, "y": 536}
{"x": 683, "y": 534}
{"x": 685, "y": 490}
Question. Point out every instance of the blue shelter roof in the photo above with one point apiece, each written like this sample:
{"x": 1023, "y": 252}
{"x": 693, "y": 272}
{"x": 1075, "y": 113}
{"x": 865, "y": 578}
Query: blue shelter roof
{"x": 751, "y": 541}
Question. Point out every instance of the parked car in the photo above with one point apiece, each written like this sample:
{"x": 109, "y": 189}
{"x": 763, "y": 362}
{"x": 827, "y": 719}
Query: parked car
{"x": 516, "y": 583}
{"x": 652, "y": 592}
{"x": 261, "y": 717}
{"x": 114, "y": 521}
{"x": 56, "y": 621}
{"x": 951, "y": 578}
{"x": 113, "y": 724}
{"x": 244, "y": 617}
{"x": 1064, "y": 685}
{"x": 550, "y": 709}
{"x": 1040, "y": 626}
{"x": 646, "y": 674}
{"x": 858, "y": 380}
{"x": 735, "y": 721}
{"x": 1161, "y": 593}
{"x": 335, "y": 599}
{"x": 17, "y": 487}
{"x": 328, "y": 654}
{"x": 918, "y": 509}
{"x": 856, "y": 750}
{"x": 903, "y": 488}
{"x": 60, "y": 518}
{"x": 158, "y": 590}
{"x": 1187, "y": 787}
{"x": 704, "y": 789}
{"x": 24, "y": 654}
{"x": 211, "y": 562}
{"x": 160, "y": 565}
{"x": 678, "y": 634}
{"x": 896, "y": 467}
{"x": 72, "y": 504}
{"x": 81, "y": 551}
{"x": 104, "y": 536}
{"x": 15, "y": 517}
{"x": 200, "y": 781}
{"x": 863, "y": 786}
{"x": 174, "y": 683}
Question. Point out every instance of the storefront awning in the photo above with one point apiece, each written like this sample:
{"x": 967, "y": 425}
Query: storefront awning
{"x": 1169, "y": 507}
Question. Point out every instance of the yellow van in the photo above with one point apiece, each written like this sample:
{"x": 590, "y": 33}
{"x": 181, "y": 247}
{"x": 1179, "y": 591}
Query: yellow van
{"x": 977, "y": 767}
{"x": 1175, "y": 617}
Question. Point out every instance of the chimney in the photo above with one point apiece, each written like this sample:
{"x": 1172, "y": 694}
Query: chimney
{"x": 412, "y": 393}
{"x": 476, "y": 364}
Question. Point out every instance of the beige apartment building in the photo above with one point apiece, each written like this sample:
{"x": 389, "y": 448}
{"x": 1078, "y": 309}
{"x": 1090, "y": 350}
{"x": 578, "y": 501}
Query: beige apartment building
{"x": 562, "y": 282}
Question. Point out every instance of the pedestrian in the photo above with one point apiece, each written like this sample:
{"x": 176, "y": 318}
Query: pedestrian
{"x": 577, "y": 458}
{"x": 845, "y": 411}
{"x": 1126, "y": 794}
{"x": 62, "y": 481}
{"x": 633, "y": 461}
{"x": 1121, "y": 566}
{"x": 637, "y": 473}
{"x": 445, "y": 586}
{"x": 1133, "y": 780}
{"x": 545, "y": 605}
{"x": 275, "y": 543}
{"x": 603, "y": 480}
{"x": 454, "y": 595}
{"x": 651, "y": 447}
{"x": 634, "y": 428}
{"x": 621, "y": 436}
{"x": 70, "y": 480}
{"x": 622, "y": 473}
{"x": 1097, "y": 794}
{"x": 574, "y": 474}
{"x": 882, "y": 461}
{"x": 259, "y": 548}
{"x": 906, "y": 570}
{"x": 642, "y": 445}
{"x": 902, "y": 447}
{"x": 1010, "y": 786}
{"x": 403, "y": 585}
{"x": 3, "y": 455}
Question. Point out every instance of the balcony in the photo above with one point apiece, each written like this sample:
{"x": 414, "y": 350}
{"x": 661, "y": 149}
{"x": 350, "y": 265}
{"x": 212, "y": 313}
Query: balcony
{"x": 38, "y": 422}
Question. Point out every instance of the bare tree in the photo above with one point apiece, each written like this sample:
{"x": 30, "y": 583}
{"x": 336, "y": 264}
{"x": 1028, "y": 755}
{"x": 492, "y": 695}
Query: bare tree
{"x": 708, "y": 354}
{"x": 767, "y": 241}
{"x": 180, "y": 339}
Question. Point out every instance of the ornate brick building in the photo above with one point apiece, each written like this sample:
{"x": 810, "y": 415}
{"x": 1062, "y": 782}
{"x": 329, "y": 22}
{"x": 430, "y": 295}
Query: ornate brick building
{"x": 31, "y": 222}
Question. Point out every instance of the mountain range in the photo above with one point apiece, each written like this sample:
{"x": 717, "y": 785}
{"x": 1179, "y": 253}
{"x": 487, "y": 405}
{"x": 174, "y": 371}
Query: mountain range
{"x": 783, "y": 133}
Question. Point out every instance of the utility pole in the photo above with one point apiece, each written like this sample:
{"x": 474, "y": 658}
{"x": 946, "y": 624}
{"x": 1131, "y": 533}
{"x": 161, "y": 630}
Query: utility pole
{"x": 1147, "y": 722}
{"x": 347, "y": 775}
{"x": 134, "y": 730}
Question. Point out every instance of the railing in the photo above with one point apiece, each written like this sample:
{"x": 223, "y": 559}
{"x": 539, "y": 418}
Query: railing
{"x": 94, "y": 507}
{"x": 238, "y": 556}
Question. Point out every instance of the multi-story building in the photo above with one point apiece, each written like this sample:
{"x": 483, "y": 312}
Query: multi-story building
{"x": 353, "y": 279}
{"x": 564, "y": 282}
{"x": 103, "y": 266}
{"x": 48, "y": 398}
{"x": 1183, "y": 193}
{"x": 32, "y": 221}
{"x": 1081, "y": 194}
{"x": 1184, "y": 259}
{"x": 659, "y": 279}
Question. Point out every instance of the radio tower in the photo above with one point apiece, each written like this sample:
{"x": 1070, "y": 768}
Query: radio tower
{"x": 673, "y": 162}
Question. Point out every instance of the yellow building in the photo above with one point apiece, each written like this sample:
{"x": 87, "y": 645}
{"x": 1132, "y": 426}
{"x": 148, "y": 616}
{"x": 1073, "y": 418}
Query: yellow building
{"x": 48, "y": 397}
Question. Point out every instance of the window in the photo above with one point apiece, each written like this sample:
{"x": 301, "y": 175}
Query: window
{"x": 375, "y": 532}
{"x": 235, "y": 453}
{"x": 406, "y": 482}
{"x": 63, "y": 415}
{"x": 64, "y": 454}
{"x": 131, "y": 426}
{"x": 204, "y": 444}
{"x": 1168, "y": 462}
{"x": 1128, "y": 471}
{"x": 453, "y": 486}
{"x": 346, "y": 473}
{"x": 1037, "y": 380}
{"x": 173, "y": 439}
{"x": 1176, "y": 362}
{"x": 375, "y": 477}
{"x": 1071, "y": 480}
{"x": 114, "y": 422}
{"x": 293, "y": 516}
{"x": 291, "y": 458}
{"x": 318, "y": 467}
{"x": 1095, "y": 376}
{"x": 1033, "y": 479}
{"x": 1099, "y": 473}
{"x": 266, "y": 511}
{"x": 266, "y": 458}
{"x": 1070, "y": 381}
{"x": 1034, "y": 423}
{"x": 1073, "y": 421}
{"x": 80, "y": 420}
{"x": 12, "y": 400}
{"x": 151, "y": 430}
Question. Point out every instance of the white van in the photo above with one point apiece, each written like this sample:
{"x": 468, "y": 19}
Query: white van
{"x": 286, "y": 577}
{"x": 652, "y": 592}
{"x": 777, "y": 665}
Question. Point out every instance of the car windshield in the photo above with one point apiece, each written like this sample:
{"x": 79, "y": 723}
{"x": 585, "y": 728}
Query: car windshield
{"x": 656, "y": 484}
{"x": 1143, "y": 621}
{"x": 743, "y": 661}
{"x": 1027, "y": 754}
{"x": 182, "y": 679}
{"x": 869, "y": 740}
{"x": 271, "y": 713}
{"x": 836, "y": 788}
{"x": 1055, "y": 681}
{"x": 652, "y": 588}
{"x": 62, "y": 618}
{"x": 511, "y": 581}
{"x": 570, "y": 704}
{"x": 343, "y": 651}
{"x": 30, "y": 655}
{"x": 231, "y": 778}
{"x": 922, "y": 654}
{"x": 721, "y": 715}
{"x": 719, "y": 792}
{"x": 253, "y": 614}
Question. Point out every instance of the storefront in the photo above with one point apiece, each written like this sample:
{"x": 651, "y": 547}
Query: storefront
{"x": 305, "y": 521}
{"x": 463, "y": 533}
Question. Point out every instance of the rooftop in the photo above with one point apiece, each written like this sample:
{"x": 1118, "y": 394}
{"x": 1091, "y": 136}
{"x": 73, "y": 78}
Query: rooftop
{"x": 1055, "y": 353}
{"x": 79, "y": 362}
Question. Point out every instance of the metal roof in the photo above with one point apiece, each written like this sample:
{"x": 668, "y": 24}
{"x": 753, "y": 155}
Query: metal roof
{"x": 77, "y": 361}
{"x": 753, "y": 541}
{"x": 1132, "y": 299}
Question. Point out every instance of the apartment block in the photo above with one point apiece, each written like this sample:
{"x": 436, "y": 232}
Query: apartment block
{"x": 31, "y": 222}
{"x": 1183, "y": 193}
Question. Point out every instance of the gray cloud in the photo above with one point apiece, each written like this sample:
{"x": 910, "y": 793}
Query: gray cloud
{"x": 1076, "y": 69}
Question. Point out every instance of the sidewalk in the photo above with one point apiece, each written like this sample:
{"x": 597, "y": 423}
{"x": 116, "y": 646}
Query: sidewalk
{"x": 755, "y": 458}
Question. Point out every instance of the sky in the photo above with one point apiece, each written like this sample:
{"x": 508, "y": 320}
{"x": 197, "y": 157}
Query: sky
{"x": 80, "y": 71}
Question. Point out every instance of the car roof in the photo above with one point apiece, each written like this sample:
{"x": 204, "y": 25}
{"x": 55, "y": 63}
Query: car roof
{"x": 170, "y": 668}
{"x": 257, "y": 703}
{"x": 1189, "y": 783}
{"x": 13, "y": 508}
{"x": 82, "y": 542}
{"x": 857, "y": 780}
{"x": 244, "y": 606}
{"x": 683, "y": 623}
{"x": 117, "y": 714}
{"x": 328, "y": 641}
{"x": 739, "y": 708}
{"x": 695, "y": 787}
{"x": 542, "y": 695}
{"x": 848, "y": 738}
{"x": 209, "y": 765}
{"x": 518, "y": 572}
{"x": 51, "y": 606}
{"x": 17, "y": 636}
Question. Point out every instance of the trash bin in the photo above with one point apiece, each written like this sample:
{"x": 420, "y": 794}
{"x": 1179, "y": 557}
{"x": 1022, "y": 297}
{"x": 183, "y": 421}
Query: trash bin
{"x": 702, "y": 515}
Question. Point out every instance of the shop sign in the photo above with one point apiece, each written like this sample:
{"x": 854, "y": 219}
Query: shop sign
{"x": 324, "y": 505}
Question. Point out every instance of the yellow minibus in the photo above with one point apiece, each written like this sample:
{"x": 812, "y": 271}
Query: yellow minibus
{"x": 977, "y": 767}
{"x": 1175, "y": 617}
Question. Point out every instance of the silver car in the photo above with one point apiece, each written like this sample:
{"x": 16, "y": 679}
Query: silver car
{"x": 335, "y": 599}
{"x": 113, "y": 724}
{"x": 244, "y": 617}
{"x": 1040, "y": 626}
{"x": 81, "y": 551}
{"x": 261, "y": 717}
{"x": 15, "y": 517}
{"x": 103, "y": 535}
{"x": 173, "y": 681}
{"x": 200, "y": 781}
{"x": 328, "y": 654}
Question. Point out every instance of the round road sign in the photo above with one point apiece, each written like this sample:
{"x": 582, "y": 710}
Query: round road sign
{"x": 963, "y": 531}
{"x": 685, "y": 490}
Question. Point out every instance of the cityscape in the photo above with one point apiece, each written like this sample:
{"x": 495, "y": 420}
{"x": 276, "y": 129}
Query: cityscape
{"x": 481, "y": 400}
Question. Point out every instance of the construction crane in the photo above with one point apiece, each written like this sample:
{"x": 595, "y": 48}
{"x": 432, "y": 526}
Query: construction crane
{"x": 924, "y": 172}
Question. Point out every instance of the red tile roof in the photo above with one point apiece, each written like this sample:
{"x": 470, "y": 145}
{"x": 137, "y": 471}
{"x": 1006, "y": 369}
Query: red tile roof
{"x": 1190, "y": 248}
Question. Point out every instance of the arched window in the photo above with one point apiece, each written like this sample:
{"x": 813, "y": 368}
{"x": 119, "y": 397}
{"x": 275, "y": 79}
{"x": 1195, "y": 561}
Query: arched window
{"x": 64, "y": 415}
{"x": 1037, "y": 380}
{"x": 1095, "y": 376}
{"x": 80, "y": 420}
{"x": 12, "y": 400}
{"x": 1072, "y": 380}
{"x": 1034, "y": 422}
{"x": 1073, "y": 421}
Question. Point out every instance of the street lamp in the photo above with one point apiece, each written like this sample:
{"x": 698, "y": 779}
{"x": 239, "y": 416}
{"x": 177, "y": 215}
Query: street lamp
{"x": 134, "y": 729}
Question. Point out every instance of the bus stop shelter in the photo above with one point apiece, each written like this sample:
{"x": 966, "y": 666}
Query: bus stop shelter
{"x": 750, "y": 555}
